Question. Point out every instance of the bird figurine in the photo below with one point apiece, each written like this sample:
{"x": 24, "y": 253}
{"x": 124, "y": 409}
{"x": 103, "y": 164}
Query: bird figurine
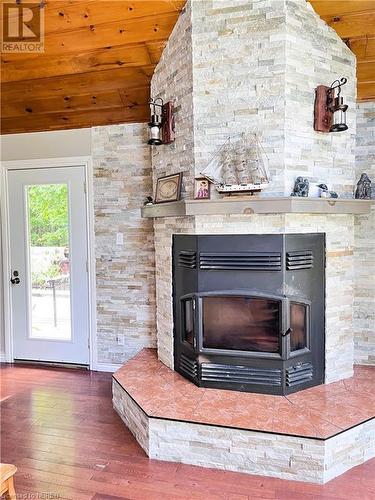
{"x": 326, "y": 193}
{"x": 148, "y": 201}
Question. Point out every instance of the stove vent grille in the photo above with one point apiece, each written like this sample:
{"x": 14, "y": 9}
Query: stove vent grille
{"x": 299, "y": 260}
{"x": 240, "y": 374}
{"x": 299, "y": 374}
{"x": 240, "y": 261}
{"x": 188, "y": 366}
{"x": 187, "y": 259}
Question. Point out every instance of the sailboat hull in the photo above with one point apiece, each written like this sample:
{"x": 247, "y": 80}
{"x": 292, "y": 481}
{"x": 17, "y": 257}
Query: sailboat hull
{"x": 240, "y": 188}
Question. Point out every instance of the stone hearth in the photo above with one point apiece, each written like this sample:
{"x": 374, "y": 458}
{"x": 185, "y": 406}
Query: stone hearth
{"x": 314, "y": 435}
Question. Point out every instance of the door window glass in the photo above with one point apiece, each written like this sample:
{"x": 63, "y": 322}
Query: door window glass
{"x": 49, "y": 261}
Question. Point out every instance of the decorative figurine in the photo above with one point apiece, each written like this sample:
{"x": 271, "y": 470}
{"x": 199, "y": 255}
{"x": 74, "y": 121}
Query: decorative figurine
{"x": 301, "y": 187}
{"x": 325, "y": 193}
{"x": 148, "y": 201}
{"x": 363, "y": 191}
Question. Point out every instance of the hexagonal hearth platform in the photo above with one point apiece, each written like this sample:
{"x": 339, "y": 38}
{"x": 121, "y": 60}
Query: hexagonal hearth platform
{"x": 313, "y": 435}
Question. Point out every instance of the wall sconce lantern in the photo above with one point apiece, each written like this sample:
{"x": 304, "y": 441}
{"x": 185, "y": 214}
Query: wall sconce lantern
{"x": 330, "y": 110}
{"x": 156, "y": 107}
{"x": 161, "y": 124}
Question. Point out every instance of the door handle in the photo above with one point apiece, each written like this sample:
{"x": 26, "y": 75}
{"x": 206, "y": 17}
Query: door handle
{"x": 15, "y": 279}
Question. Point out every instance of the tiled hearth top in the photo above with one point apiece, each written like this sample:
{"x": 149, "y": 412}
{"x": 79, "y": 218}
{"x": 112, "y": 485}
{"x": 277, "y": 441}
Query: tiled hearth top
{"x": 320, "y": 412}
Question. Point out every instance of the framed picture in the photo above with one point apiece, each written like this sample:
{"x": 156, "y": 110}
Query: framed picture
{"x": 168, "y": 188}
{"x": 201, "y": 189}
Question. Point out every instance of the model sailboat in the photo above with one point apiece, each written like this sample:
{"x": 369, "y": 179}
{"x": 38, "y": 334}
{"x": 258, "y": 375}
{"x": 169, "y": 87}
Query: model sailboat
{"x": 239, "y": 166}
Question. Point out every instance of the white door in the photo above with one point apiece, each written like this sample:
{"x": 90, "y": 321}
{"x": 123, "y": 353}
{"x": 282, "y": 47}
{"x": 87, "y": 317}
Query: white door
{"x": 49, "y": 272}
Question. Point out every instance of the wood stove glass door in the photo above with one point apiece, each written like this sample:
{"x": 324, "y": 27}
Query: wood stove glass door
{"x": 299, "y": 313}
{"x": 241, "y": 323}
{"x": 188, "y": 321}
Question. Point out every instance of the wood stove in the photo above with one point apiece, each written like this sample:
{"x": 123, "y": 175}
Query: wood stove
{"x": 249, "y": 311}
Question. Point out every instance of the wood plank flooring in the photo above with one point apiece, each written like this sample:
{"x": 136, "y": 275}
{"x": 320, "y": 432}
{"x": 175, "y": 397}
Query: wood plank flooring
{"x": 59, "y": 428}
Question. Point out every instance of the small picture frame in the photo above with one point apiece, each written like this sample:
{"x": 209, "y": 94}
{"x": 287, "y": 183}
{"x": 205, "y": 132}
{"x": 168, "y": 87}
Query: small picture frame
{"x": 168, "y": 188}
{"x": 202, "y": 189}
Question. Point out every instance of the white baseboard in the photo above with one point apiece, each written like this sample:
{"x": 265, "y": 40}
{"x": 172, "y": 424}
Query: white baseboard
{"x": 98, "y": 367}
{"x": 103, "y": 367}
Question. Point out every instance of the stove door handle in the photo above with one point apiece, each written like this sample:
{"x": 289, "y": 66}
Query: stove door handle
{"x": 288, "y": 332}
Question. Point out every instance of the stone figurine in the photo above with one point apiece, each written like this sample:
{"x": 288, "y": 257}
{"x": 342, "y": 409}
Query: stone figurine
{"x": 326, "y": 193}
{"x": 148, "y": 201}
{"x": 301, "y": 187}
{"x": 363, "y": 191}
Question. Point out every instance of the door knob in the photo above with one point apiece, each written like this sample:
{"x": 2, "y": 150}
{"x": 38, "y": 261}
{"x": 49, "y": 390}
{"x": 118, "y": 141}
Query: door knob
{"x": 15, "y": 279}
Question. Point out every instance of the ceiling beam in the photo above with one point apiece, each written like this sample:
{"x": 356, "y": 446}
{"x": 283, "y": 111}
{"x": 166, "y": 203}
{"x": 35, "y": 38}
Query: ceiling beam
{"x": 76, "y": 119}
{"x": 45, "y": 66}
{"x": 352, "y": 25}
{"x": 95, "y": 81}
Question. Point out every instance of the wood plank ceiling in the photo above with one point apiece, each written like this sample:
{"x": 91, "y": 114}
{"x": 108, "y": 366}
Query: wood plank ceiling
{"x": 100, "y": 55}
{"x": 96, "y": 69}
{"x": 354, "y": 21}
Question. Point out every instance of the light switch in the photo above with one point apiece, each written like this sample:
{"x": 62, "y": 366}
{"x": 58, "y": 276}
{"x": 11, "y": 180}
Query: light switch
{"x": 119, "y": 239}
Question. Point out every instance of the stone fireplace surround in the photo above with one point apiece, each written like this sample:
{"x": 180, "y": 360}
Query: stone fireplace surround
{"x": 264, "y": 452}
{"x": 339, "y": 230}
{"x": 248, "y": 65}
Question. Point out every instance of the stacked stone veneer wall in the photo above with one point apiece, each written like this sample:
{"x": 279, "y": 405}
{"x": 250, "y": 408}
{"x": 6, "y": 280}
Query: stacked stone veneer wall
{"x": 236, "y": 66}
{"x": 164, "y": 228}
{"x": 315, "y": 55}
{"x": 254, "y": 66}
{"x": 364, "y": 252}
{"x": 239, "y": 64}
{"x": 125, "y": 274}
{"x": 172, "y": 81}
{"x": 276, "y": 455}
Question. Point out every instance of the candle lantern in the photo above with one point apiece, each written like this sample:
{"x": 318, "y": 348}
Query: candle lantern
{"x": 330, "y": 109}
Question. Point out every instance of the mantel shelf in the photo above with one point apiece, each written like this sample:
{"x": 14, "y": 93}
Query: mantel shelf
{"x": 257, "y": 205}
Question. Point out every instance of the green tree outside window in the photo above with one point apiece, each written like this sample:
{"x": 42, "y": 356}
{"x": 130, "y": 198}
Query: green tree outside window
{"x": 48, "y": 215}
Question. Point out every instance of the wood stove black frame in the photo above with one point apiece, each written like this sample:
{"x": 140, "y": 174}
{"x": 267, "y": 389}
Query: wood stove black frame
{"x": 293, "y": 264}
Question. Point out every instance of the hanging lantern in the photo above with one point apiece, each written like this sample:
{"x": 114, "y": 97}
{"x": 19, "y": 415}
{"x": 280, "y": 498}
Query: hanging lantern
{"x": 161, "y": 124}
{"x": 330, "y": 110}
{"x": 339, "y": 115}
{"x": 156, "y": 122}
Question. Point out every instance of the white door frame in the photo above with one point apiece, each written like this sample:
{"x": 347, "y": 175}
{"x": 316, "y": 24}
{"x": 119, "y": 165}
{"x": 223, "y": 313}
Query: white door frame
{"x": 77, "y": 161}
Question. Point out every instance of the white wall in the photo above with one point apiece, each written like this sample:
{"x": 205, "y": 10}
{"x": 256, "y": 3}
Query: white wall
{"x": 53, "y": 144}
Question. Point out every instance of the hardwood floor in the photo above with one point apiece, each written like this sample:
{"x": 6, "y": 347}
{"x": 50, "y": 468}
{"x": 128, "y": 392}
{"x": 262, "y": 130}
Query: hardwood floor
{"x": 59, "y": 428}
